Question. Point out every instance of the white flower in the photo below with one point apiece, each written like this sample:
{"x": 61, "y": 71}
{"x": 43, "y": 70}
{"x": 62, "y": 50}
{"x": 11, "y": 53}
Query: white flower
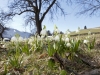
{"x": 17, "y": 39}
{"x": 88, "y": 37}
{"x": 67, "y": 32}
{"x": 39, "y": 38}
{"x": 89, "y": 33}
{"x": 21, "y": 62}
{"x": 57, "y": 38}
{"x": 50, "y": 38}
{"x": 72, "y": 40}
{"x": 3, "y": 46}
{"x": 67, "y": 39}
{"x": 42, "y": 37}
{"x": 63, "y": 39}
{"x": 66, "y": 35}
{"x": 68, "y": 44}
{"x": 77, "y": 31}
{"x": 14, "y": 39}
{"x": 85, "y": 41}
{"x": 30, "y": 40}
{"x": 43, "y": 32}
{"x": 8, "y": 74}
{"x": 20, "y": 39}
{"x": 57, "y": 30}
{"x": 34, "y": 45}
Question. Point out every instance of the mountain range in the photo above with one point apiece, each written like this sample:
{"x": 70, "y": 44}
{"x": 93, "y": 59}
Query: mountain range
{"x": 10, "y": 32}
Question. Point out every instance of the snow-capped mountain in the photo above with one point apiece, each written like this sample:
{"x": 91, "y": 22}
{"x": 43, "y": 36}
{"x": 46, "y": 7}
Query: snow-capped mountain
{"x": 10, "y": 32}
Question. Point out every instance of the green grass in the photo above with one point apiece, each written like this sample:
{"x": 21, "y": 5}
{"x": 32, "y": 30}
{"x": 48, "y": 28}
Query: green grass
{"x": 36, "y": 63}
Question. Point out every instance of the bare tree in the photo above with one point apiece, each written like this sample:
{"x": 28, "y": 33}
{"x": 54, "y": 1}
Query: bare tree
{"x": 89, "y": 7}
{"x": 33, "y": 10}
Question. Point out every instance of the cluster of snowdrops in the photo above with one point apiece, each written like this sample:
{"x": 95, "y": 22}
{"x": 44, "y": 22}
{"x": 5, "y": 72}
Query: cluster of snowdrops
{"x": 20, "y": 50}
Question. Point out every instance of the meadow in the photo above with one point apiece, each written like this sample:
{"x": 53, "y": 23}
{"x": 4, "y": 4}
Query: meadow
{"x": 71, "y": 53}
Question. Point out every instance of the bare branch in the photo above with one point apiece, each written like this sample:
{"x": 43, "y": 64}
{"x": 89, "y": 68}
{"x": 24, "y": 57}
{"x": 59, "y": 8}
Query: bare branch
{"x": 36, "y": 10}
{"x": 40, "y": 3}
{"x": 21, "y": 12}
{"x": 91, "y": 7}
{"x": 47, "y": 10}
{"x": 62, "y": 10}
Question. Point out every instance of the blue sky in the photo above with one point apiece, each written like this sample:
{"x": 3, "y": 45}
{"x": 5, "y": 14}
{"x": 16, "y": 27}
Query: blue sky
{"x": 70, "y": 21}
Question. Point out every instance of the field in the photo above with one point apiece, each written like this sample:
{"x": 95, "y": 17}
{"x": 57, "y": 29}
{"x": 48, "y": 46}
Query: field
{"x": 77, "y": 54}
{"x": 85, "y": 31}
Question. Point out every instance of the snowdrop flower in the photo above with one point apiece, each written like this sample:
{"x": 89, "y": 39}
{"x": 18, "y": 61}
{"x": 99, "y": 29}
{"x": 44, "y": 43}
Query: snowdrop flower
{"x": 89, "y": 33}
{"x": 8, "y": 74}
{"x": 72, "y": 40}
{"x": 39, "y": 38}
{"x": 30, "y": 41}
{"x": 3, "y": 46}
{"x": 67, "y": 39}
{"x": 7, "y": 62}
{"x": 68, "y": 44}
{"x": 50, "y": 38}
{"x": 20, "y": 39}
{"x": 42, "y": 37}
{"x": 43, "y": 32}
{"x": 55, "y": 27}
{"x": 21, "y": 62}
{"x": 14, "y": 39}
{"x": 88, "y": 37}
{"x": 63, "y": 39}
{"x": 57, "y": 38}
{"x": 34, "y": 45}
{"x": 85, "y": 41}
{"x": 56, "y": 30}
{"x": 67, "y": 33}
{"x": 78, "y": 30}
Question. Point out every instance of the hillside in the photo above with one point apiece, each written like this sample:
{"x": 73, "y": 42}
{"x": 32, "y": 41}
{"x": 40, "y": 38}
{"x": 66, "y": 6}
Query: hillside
{"x": 85, "y": 31}
{"x": 10, "y": 32}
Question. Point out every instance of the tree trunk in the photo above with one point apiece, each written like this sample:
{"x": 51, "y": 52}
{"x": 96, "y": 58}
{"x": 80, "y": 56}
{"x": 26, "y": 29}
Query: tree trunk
{"x": 39, "y": 27}
{"x": 1, "y": 36}
{"x": 38, "y": 24}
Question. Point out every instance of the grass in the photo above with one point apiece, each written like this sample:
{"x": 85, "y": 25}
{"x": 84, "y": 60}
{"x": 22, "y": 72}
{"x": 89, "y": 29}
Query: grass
{"x": 36, "y": 63}
{"x": 85, "y": 31}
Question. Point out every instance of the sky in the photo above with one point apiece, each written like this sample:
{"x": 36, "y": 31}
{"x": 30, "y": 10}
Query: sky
{"x": 70, "y": 21}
